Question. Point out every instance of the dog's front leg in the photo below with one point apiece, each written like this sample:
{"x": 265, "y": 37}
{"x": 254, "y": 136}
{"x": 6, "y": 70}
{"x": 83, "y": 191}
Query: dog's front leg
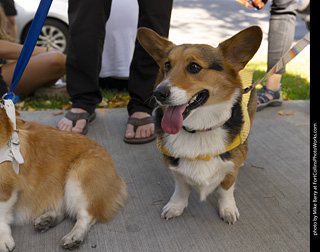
{"x": 228, "y": 210}
{"x": 6, "y": 218}
{"x": 179, "y": 199}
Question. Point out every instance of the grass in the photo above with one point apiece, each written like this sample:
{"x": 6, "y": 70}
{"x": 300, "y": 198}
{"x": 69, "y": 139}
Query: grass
{"x": 112, "y": 98}
{"x": 295, "y": 82}
{"x": 295, "y": 86}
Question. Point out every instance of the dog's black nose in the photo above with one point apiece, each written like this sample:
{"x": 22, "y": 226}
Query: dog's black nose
{"x": 162, "y": 93}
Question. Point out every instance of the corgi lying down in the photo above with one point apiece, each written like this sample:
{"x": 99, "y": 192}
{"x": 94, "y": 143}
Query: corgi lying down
{"x": 64, "y": 174}
{"x": 203, "y": 117}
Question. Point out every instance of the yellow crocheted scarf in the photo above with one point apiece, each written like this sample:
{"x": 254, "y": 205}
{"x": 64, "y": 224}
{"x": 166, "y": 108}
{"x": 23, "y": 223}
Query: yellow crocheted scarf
{"x": 246, "y": 79}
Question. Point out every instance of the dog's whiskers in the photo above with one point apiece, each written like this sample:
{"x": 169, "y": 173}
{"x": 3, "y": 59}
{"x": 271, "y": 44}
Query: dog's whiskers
{"x": 151, "y": 99}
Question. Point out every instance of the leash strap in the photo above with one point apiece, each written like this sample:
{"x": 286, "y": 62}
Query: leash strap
{"x": 285, "y": 59}
{"x": 30, "y": 42}
{"x": 11, "y": 151}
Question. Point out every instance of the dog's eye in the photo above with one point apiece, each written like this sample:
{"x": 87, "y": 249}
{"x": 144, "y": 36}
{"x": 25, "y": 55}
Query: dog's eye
{"x": 167, "y": 66}
{"x": 194, "y": 68}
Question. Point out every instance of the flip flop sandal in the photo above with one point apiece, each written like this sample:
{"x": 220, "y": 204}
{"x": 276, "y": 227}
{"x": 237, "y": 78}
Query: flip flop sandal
{"x": 74, "y": 117}
{"x": 264, "y": 101}
{"x": 136, "y": 123}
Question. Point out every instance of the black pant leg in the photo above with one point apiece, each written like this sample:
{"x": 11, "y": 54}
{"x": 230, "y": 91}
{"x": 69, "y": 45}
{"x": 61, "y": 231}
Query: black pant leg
{"x": 155, "y": 15}
{"x": 87, "y": 21}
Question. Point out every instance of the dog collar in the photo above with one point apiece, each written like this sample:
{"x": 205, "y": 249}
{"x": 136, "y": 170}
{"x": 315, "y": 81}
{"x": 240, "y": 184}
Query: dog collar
{"x": 205, "y": 130}
{"x": 246, "y": 79}
{"x": 11, "y": 151}
{"x": 194, "y": 131}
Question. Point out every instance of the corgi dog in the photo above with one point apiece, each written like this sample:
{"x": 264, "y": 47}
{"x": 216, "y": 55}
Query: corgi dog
{"x": 201, "y": 115}
{"x": 64, "y": 174}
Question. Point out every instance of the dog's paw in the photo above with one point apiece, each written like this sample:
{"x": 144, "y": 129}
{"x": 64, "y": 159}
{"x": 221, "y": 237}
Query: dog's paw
{"x": 172, "y": 210}
{"x": 43, "y": 223}
{"x": 229, "y": 214}
{"x": 71, "y": 241}
{"x": 6, "y": 243}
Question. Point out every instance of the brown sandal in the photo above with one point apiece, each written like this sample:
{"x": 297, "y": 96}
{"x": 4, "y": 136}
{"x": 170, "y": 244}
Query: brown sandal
{"x": 136, "y": 122}
{"x": 74, "y": 117}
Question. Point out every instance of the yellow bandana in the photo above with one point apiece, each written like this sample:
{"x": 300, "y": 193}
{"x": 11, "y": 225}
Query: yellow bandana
{"x": 246, "y": 79}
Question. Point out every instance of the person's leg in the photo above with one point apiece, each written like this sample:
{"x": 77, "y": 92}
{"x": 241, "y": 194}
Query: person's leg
{"x": 42, "y": 70}
{"x": 280, "y": 37}
{"x": 12, "y": 28}
{"x": 156, "y": 15}
{"x": 87, "y": 21}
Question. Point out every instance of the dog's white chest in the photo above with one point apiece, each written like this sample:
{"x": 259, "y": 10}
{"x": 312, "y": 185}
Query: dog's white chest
{"x": 203, "y": 176}
{"x": 189, "y": 145}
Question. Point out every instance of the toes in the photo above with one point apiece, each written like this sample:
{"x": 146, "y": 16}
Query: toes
{"x": 80, "y": 126}
{"x": 130, "y": 131}
{"x": 142, "y": 131}
{"x": 65, "y": 124}
{"x": 145, "y": 131}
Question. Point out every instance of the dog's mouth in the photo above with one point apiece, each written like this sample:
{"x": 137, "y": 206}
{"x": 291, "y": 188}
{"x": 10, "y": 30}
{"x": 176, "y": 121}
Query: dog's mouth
{"x": 196, "y": 101}
{"x": 174, "y": 115}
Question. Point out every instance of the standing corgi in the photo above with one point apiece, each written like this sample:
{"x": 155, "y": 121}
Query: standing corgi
{"x": 204, "y": 115}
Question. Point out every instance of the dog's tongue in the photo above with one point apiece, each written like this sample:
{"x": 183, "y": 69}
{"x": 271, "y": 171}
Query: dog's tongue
{"x": 172, "y": 119}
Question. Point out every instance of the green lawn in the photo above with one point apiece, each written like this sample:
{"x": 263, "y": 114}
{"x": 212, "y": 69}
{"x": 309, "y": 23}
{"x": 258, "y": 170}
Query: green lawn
{"x": 296, "y": 80}
{"x": 295, "y": 86}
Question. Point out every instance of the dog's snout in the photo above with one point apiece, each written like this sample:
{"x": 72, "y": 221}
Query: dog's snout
{"x": 162, "y": 93}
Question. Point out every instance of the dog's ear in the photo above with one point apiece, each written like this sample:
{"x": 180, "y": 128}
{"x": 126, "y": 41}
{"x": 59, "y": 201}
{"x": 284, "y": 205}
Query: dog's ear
{"x": 240, "y": 48}
{"x": 153, "y": 43}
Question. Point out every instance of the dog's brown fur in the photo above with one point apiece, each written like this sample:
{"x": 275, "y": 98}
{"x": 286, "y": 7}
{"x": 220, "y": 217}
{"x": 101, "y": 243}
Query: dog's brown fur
{"x": 52, "y": 159}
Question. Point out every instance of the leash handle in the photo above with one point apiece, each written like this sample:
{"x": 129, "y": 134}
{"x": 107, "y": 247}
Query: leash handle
{"x": 30, "y": 43}
{"x": 284, "y": 60}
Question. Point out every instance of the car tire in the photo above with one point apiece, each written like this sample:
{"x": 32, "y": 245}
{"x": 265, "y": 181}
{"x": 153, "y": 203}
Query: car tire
{"x": 54, "y": 34}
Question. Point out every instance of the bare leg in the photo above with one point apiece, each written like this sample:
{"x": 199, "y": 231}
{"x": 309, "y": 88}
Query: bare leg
{"x": 42, "y": 70}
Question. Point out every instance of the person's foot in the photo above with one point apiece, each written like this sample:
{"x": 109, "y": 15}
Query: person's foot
{"x": 67, "y": 125}
{"x": 267, "y": 97}
{"x": 143, "y": 131}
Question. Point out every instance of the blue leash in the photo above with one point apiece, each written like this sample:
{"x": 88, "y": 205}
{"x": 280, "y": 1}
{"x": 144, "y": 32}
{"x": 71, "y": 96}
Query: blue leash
{"x": 29, "y": 44}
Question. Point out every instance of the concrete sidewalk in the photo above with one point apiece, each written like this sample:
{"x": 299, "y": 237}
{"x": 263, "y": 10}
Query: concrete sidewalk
{"x": 211, "y": 22}
{"x": 272, "y": 193}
